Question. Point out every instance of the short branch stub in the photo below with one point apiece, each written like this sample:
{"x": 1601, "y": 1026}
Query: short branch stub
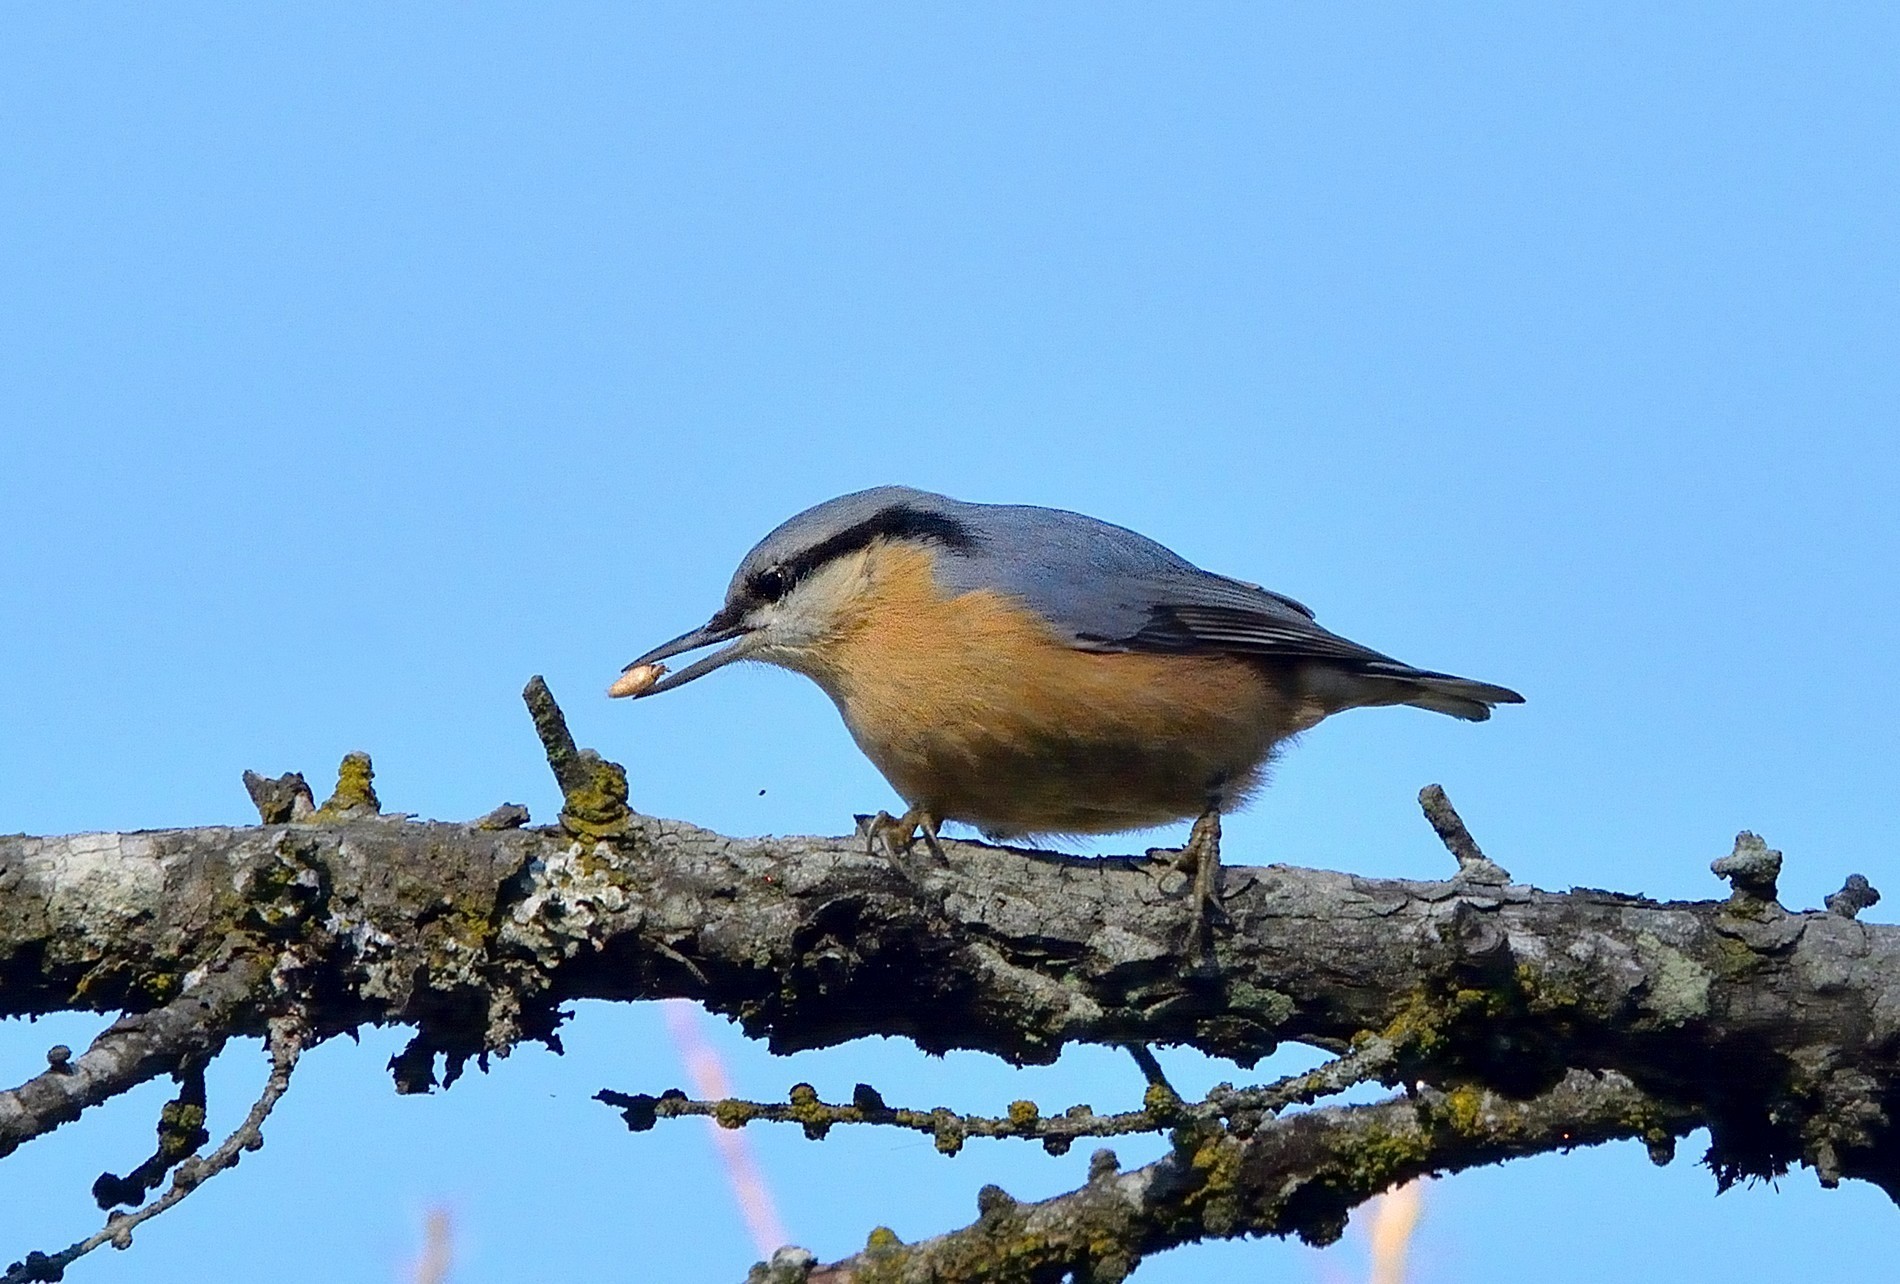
{"x": 1855, "y": 895}
{"x": 593, "y": 790}
{"x": 1751, "y": 869}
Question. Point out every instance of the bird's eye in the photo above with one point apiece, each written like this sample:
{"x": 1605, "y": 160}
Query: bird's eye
{"x": 770, "y": 584}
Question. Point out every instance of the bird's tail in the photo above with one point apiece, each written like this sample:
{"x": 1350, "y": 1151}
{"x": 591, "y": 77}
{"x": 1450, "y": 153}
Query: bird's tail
{"x": 1383, "y": 682}
{"x": 1459, "y": 697}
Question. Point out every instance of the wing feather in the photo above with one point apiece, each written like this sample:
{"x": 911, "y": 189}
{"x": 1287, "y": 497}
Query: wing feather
{"x": 1108, "y": 588}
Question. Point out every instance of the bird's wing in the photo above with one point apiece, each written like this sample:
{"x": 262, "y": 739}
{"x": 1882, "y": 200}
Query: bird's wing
{"x": 1106, "y": 588}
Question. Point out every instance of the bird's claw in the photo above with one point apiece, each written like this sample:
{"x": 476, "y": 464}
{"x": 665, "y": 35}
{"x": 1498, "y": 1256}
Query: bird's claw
{"x": 887, "y": 835}
{"x": 894, "y": 836}
{"x": 1200, "y": 861}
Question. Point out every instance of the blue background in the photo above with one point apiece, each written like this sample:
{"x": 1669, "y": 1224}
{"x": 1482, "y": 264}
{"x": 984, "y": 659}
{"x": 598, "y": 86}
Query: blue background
{"x": 357, "y": 362}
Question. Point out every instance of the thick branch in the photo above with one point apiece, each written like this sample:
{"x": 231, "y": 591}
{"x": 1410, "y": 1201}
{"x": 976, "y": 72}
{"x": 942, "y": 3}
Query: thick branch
{"x": 1781, "y": 1031}
{"x": 1781, "y": 1027}
{"x": 1299, "y": 1175}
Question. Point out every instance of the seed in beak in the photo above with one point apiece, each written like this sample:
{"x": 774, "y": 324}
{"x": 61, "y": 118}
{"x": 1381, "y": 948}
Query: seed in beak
{"x": 636, "y": 680}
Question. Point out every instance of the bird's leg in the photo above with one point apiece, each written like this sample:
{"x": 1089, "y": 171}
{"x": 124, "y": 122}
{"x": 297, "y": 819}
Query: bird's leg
{"x": 927, "y": 826}
{"x": 1200, "y": 861}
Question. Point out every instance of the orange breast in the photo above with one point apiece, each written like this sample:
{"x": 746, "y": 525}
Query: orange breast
{"x": 973, "y": 707}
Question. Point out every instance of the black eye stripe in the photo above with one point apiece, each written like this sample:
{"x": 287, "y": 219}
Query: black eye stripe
{"x": 771, "y": 583}
{"x": 892, "y": 523}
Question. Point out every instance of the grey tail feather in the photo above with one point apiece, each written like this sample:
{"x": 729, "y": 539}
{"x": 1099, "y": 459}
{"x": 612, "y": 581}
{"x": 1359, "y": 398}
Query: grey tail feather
{"x": 1447, "y": 693}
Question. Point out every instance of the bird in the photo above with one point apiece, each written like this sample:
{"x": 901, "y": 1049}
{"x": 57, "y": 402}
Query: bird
{"x": 1039, "y": 673}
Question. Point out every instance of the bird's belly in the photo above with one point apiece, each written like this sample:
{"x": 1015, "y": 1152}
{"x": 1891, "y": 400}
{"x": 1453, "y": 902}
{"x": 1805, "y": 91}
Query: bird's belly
{"x": 1016, "y": 734}
{"x": 1074, "y": 783}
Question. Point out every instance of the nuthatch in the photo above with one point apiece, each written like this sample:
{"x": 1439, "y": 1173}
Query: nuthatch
{"x": 1031, "y": 671}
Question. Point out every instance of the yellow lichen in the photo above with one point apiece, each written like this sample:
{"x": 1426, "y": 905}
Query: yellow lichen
{"x": 1541, "y": 993}
{"x": 949, "y": 1132}
{"x": 1464, "y": 1110}
{"x": 161, "y": 986}
{"x": 596, "y": 804}
{"x": 355, "y": 794}
{"x": 1379, "y": 1156}
{"x": 731, "y": 1113}
{"x": 1217, "y": 1159}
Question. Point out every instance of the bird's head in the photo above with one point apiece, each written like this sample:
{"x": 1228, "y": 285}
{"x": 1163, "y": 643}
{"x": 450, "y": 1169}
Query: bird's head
{"x": 793, "y": 590}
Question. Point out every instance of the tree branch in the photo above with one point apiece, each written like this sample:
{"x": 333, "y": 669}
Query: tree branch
{"x": 129, "y": 1052}
{"x": 1300, "y": 1175}
{"x": 1779, "y": 1031}
{"x": 1161, "y": 1108}
{"x": 286, "y": 1041}
{"x": 1782, "y": 1026}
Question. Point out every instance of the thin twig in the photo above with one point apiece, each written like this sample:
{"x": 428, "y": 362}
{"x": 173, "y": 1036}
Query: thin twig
{"x": 289, "y": 1035}
{"x": 180, "y": 1134}
{"x": 130, "y": 1051}
{"x": 1372, "y": 1059}
{"x": 1150, "y": 1067}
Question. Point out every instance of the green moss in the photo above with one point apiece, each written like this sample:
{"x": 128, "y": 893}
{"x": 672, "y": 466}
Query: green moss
{"x": 1731, "y": 958}
{"x": 1446, "y": 1028}
{"x": 1648, "y": 1124}
{"x": 180, "y": 1129}
{"x": 882, "y": 1268}
{"x": 1365, "y": 1161}
{"x": 1268, "y": 1006}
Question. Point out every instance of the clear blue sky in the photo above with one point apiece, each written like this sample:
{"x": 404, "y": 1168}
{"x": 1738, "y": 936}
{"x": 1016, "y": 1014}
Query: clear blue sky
{"x": 357, "y": 362}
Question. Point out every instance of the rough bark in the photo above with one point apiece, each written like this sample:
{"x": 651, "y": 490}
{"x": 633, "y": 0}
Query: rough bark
{"x": 1777, "y": 1030}
{"x": 1299, "y": 1176}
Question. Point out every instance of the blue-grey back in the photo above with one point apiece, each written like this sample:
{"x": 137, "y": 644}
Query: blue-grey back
{"x": 1097, "y": 582}
{"x": 1098, "y": 585}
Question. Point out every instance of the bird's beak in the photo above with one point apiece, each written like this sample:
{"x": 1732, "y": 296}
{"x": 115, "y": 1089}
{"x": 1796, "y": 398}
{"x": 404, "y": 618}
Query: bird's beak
{"x": 721, "y": 628}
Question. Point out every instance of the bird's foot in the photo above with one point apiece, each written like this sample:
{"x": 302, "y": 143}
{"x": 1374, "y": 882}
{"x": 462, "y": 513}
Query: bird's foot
{"x": 1200, "y": 861}
{"x": 894, "y": 836}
